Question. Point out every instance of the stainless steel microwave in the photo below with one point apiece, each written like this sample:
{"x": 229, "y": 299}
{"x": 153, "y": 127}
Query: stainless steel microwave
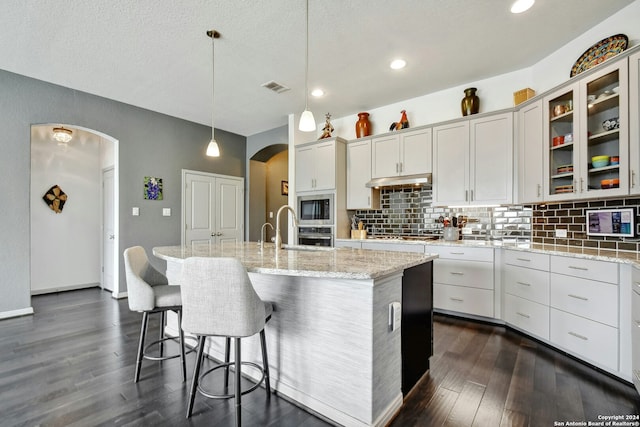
{"x": 315, "y": 210}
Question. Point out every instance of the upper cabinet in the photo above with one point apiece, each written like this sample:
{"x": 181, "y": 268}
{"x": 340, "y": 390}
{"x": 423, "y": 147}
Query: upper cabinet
{"x": 316, "y": 165}
{"x": 634, "y": 123}
{"x": 587, "y": 136}
{"x": 473, "y": 161}
{"x": 359, "y": 196}
{"x": 402, "y": 153}
{"x": 530, "y": 153}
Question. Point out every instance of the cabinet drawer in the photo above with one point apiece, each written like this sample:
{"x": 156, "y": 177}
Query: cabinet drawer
{"x": 355, "y": 244}
{"x": 587, "y": 298}
{"x": 462, "y": 252}
{"x": 526, "y": 283}
{"x": 601, "y": 271}
{"x": 527, "y": 315}
{"x": 464, "y": 300}
{"x": 527, "y": 259}
{"x": 463, "y": 273}
{"x": 590, "y": 340}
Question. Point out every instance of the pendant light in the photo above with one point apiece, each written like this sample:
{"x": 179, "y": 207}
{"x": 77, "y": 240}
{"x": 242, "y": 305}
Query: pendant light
{"x": 212, "y": 149}
{"x": 307, "y": 122}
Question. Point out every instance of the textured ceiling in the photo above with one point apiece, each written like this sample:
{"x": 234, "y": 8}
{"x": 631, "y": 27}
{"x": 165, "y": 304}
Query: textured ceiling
{"x": 155, "y": 54}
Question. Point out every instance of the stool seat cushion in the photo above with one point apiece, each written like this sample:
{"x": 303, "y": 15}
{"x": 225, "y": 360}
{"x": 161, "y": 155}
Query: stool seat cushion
{"x": 167, "y": 296}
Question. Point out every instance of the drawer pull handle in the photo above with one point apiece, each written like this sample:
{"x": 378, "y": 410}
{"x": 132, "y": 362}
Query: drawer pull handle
{"x": 582, "y": 337}
{"x": 456, "y": 273}
{"x": 579, "y": 268}
{"x": 456, "y": 253}
{"x": 523, "y": 283}
{"x": 579, "y": 297}
{"x": 637, "y": 322}
{"x": 523, "y": 315}
{"x": 456, "y": 299}
{"x": 523, "y": 259}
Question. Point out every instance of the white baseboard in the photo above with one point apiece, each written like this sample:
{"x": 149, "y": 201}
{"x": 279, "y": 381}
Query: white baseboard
{"x": 16, "y": 313}
{"x": 64, "y": 288}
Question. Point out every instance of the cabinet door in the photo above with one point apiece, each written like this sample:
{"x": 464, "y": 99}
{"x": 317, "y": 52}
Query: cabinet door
{"x": 305, "y": 168}
{"x": 451, "y": 164}
{"x": 385, "y": 156}
{"x": 358, "y": 174}
{"x": 634, "y": 123}
{"x": 325, "y": 166}
{"x": 415, "y": 152}
{"x": 561, "y": 118}
{"x": 491, "y": 160}
{"x": 603, "y": 96}
{"x": 530, "y": 153}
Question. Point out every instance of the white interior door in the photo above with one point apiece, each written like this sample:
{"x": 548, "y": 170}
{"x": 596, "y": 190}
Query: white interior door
{"x": 108, "y": 229}
{"x": 213, "y": 208}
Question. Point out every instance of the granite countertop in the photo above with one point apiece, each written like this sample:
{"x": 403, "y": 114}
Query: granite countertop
{"x": 305, "y": 261}
{"x": 612, "y": 255}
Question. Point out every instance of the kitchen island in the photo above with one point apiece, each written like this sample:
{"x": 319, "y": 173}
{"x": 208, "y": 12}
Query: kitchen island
{"x": 330, "y": 343}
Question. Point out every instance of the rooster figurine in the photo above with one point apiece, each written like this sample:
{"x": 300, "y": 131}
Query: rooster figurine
{"x": 328, "y": 128}
{"x": 402, "y": 124}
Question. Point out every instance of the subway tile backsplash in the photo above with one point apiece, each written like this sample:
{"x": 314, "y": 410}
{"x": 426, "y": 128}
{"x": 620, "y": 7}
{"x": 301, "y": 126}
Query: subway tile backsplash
{"x": 407, "y": 211}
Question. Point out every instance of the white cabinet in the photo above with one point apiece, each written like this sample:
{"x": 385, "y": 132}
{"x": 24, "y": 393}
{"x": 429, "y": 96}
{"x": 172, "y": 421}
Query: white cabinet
{"x": 343, "y": 243}
{"x": 526, "y": 286}
{"x": 473, "y": 161}
{"x": 584, "y": 309}
{"x": 530, "y": 153}
{"x": 463, "y": 280}
{"x": 635, "y": 326}
{"x": 574, "y": 130}
{"x": 393, "y": 246}
{"x": 358, "y": 174}
{"x": 634, "y": 123}
{"x": 400, "y": 154}
{"x": 316, "y": 165}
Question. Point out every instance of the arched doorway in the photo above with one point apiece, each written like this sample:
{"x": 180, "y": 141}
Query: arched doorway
{"x": 268, "y": 169}
{"x": 76, "y": 246}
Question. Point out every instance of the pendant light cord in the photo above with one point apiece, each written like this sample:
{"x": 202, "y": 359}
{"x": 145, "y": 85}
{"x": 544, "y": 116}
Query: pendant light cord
{"x": 306, "y": 61}
{"x": 213, "y": 80}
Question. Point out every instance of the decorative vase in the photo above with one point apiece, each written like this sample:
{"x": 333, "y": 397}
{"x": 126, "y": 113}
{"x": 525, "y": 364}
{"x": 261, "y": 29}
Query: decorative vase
{"x": 363, "y": 127}
{"x": 470, "y": 102}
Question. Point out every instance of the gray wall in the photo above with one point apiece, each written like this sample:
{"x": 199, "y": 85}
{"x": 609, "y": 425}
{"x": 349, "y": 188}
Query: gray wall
{"x": 150, "y": 144}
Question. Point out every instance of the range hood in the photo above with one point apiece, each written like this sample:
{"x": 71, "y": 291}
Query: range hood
{"x": 423, "y": 178}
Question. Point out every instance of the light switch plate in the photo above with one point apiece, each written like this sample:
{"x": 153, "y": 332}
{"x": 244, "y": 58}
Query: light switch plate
{"x": 395, "y": 315}
{"x": 135, "y": 211}
{"x": 166, "y": 211}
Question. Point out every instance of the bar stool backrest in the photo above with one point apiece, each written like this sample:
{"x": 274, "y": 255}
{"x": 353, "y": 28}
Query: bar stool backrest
{"x": 218, "y": 298}
{"x": 141, "y": 277}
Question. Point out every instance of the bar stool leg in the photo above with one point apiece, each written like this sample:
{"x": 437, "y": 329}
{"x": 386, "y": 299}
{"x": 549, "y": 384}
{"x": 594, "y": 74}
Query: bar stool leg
{"x": 196, "y": 375}
{"x": 162, "y": 320}
{"x": 237, "y": 385}
{"x": 227, "y": 356}
{"x": 143, "y": 333}
{"x": 182, "y": 354}
{"x": 265, "y": 363}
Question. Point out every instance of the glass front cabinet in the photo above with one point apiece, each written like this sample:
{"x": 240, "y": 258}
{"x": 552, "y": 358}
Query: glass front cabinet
{"x": 587, "y": 136}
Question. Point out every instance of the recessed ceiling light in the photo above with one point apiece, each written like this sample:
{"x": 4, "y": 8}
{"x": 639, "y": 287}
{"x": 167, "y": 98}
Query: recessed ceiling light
{"x": 317, "y": 93}
{"x": 520, "y": 6}
{"x": 397, "y": 64}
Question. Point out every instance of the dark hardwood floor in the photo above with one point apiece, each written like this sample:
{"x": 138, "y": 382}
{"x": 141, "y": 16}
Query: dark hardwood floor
{"x": 72, "y": 363}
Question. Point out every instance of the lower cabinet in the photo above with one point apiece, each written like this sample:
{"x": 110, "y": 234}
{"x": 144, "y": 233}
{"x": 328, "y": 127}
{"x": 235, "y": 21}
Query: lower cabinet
{"x": 463, "y": 280}
{"x": 531, "y": 317}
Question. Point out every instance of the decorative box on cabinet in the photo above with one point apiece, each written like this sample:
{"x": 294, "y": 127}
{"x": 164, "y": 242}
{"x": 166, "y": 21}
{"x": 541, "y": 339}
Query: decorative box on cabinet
{"x": 320, "y": 166}
{"x": 584, "y": 309}
{"x": 473, "y": 161}
{"x": 402, "y": 153}
{"x": 463, "y": 280}
{"x": 358, "y": 174}
{"x": 574, "y": 133}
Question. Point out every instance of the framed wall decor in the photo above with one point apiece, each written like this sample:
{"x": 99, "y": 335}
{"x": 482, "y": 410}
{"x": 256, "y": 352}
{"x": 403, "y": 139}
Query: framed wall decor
{"x": 284, "y": 188}
{"x": 152, "y": 188}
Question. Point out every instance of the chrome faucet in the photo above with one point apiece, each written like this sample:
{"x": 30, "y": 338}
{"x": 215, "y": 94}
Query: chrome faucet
{"x": 262, "y": 235}
{"x": 295, "y": 222}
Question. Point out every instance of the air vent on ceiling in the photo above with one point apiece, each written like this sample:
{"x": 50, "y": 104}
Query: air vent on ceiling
{"x": 276, "y": 87}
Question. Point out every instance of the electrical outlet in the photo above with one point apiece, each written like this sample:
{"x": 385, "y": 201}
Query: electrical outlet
{"x": 561, "y": 232}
